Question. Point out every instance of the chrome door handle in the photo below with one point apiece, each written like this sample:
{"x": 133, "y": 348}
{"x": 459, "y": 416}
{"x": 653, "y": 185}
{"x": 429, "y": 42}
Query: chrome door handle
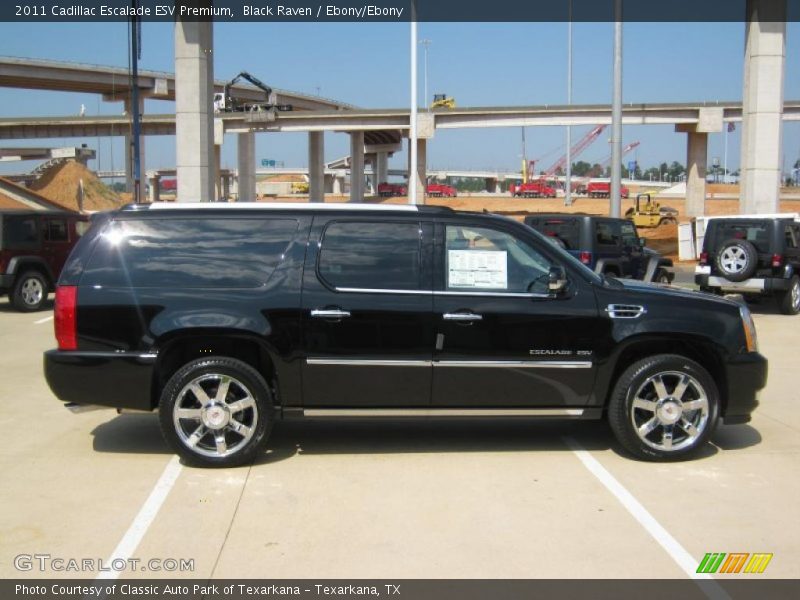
{"x": 462, "y": 317}
{"x": 329, "y": 313}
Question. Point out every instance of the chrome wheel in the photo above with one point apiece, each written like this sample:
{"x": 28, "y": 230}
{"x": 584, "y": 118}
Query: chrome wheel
{"x": 32, "y": 291}
{"x": 215, "y": 415}
{"x": 796, "y": 296}
{"x": 670, "y": 411}
{"x": 733, "y": 260}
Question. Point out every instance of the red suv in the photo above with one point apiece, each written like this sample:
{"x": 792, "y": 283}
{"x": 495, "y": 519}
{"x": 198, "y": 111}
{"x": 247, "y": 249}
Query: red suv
{"x": 33, "y": 249}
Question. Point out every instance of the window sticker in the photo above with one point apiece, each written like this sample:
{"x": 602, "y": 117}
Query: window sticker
{"x": 477, "y": 269}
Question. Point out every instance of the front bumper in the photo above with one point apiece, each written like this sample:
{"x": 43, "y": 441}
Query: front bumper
{"x": 746, "y": 375}
{"x": 113, "y": 379}
{"x": 754, "y": 285}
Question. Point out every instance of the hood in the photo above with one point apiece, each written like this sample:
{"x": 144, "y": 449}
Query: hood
{"x": 665, "y": 291}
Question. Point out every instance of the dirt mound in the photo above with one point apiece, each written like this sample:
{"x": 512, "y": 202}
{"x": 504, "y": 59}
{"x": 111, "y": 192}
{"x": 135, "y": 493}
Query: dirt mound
{"x": 284, "y": 178}
{"x": 60, "y": 184}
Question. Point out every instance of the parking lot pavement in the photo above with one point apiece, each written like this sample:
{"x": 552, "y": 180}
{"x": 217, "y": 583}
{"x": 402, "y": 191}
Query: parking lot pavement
{"x": 489, "y": 498}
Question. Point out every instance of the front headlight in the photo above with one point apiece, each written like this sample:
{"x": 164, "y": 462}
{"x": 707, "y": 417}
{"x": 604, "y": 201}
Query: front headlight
{"x": 750, "y": 337}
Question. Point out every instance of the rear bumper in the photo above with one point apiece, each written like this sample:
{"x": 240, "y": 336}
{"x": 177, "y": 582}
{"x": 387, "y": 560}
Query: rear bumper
{"x": 113, "y": 379}
{"x": 746, "y": 375}
{"x": 748, "y": 286}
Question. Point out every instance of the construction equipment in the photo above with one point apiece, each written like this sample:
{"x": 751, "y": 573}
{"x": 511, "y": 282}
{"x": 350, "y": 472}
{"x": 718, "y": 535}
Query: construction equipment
{"x": 646, "y": 212}
{"x": 300, "y": 187}
{"x": 389, "y": 190}
{"x": 225, "y": 102}
{"x": 602, "y": 189}
{"x": 625, "y": 150}
{"x": 440, "y": 190}
{"x": 443, "y": 101}
{"x": 576, "y": 150}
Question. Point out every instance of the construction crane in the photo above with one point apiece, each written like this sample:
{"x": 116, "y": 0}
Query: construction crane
{"x": 576, "y": 149}
{"x": 625, "y": 151}
{"x": 224, "y": 102}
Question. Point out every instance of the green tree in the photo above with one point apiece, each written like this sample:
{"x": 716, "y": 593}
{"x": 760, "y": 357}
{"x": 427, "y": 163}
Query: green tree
{"x": 581, "y": 168}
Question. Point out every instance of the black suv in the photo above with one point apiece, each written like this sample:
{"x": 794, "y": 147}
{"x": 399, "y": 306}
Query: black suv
{"x": 226, "y": 318}
{"x": 34, "y": 245}
{"x": 752, "y": 256}
{"x": 605, "y": 245}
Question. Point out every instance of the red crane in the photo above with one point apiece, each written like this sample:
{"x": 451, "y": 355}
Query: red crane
{"x": 577, "y": 148}
{"x": 625, "y": 150}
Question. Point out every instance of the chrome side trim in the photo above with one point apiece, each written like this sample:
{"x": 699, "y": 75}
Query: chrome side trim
{"x": 517, "y": 364}
{"x": 625, "y": 311}
{"x": 348, "y": 290}
{"x": 442, "y": 412}
{"x": 368, "y": 363}
{"x": 495, "y": 364}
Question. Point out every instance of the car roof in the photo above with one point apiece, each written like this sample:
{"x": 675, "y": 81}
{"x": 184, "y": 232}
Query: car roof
{"x": 284, "y": 206}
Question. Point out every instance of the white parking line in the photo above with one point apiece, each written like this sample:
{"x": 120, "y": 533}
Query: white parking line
{"x": 147, "y": 514}
{"x": 678, "y": 553}
{"x": 45, "y": 320}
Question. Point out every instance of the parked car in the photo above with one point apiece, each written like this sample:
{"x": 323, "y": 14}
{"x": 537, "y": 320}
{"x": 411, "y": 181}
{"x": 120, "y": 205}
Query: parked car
{"x": 33, "y": 248}
{"x": 753, "y": 256}
{"x": 229, "y": 317}
{"x": 605, "y": 245}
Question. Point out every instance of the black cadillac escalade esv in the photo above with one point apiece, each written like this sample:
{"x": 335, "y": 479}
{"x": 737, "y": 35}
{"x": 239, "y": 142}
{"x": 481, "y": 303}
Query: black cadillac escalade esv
{"x": 227, "y": 318}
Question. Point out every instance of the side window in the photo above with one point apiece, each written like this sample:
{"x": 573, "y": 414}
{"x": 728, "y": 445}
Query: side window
{"x": 480, "y": 259}
{"x": 55, "y": 230}
{"x": 371, "y": 255}
{"x": 791, "y": 237}
{"x": 629, "y": 237}
{"x": 20, "y": 232}
{"x": 605, "y": 234}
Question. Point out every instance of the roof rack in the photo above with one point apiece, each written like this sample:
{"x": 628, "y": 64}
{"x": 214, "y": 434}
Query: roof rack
{"x": 266, "y": 206}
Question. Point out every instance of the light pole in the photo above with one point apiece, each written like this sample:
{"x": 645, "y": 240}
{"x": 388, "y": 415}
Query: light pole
{"x": 568, "y": 174}
{"x": 412, "y": 137}
{"x": 616, "y": 115}
{"x": 425, "y": 44}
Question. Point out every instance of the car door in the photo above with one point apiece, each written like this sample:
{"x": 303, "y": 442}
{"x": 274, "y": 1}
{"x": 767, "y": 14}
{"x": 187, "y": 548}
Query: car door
{"x": 503, "y": 340}
{"x": 608, "y": 243}
{"x": 367, "y": 322}
{"x": 56, "y": 244}
{"x": 633, "y": 253}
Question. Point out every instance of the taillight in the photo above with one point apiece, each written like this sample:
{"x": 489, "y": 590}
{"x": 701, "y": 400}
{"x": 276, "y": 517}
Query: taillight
{"x": 704, "y": 258}
{"x": 586, "y": 258}
{"x": 66, "y": 317}
{"x": 777, "y": 260}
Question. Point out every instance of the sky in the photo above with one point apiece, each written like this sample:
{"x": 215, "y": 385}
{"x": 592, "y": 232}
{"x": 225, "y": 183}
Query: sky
{"x": 479, "y": 64}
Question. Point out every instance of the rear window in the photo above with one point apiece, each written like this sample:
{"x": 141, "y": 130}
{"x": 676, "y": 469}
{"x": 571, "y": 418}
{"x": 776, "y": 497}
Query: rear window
{"x": 20, "y": 232}
{"x": 755, "y": 233}
{"x": 190, "y": 253}
{"x": 567, "y": 230}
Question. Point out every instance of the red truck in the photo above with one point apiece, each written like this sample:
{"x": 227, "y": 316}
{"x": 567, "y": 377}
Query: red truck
{"x": 602, "y": 189}
{"x": 440, "y": 190}
{"x": 533, "y": 189}
{"x": 387, "y": 190}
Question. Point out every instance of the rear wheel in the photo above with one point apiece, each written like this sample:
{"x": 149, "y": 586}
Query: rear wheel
{"x": 789, "y": 300}
{"x": 30, "y": 291}
{"x": 664, "y": 407}
{"x": 216, "y": 412}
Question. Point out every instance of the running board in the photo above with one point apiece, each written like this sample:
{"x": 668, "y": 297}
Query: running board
{"x": 435, "y": 412}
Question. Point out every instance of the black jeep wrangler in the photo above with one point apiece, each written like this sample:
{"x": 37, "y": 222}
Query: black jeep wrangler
{"x": 752, "y": 256}
{"x": 226, "y": 318}
{"x": 605, "y": 245}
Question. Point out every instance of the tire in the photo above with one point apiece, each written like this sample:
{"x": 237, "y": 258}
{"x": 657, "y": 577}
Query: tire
{"x": 789, "y": 301}
{"x": 668, "y": 221}
{"x": 206, "y": 431}
{"x": 30, "y": 291}
{"x": 639, "y": 403}
{"x": 736, "y": 260}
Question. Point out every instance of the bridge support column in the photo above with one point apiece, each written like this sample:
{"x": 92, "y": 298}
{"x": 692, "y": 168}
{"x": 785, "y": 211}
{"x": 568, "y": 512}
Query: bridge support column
{"x": 762, "y": 108}
{"x": 696, "y": 166}
{"x": 246, "y": 160}
{"x": 129, "y": 149}
{"x": 491, "y": 185}
{"x": 194, "y": 114}
{"x": 357, "y": 166}
{"x": 226, "y": 186}
{"x": 420, "y": 178}
{"x": 217, "y": 172}
{"x": 338, "y": 186}
{"x": 154, "y": 179}
{"x": 316, "y": 166}
{"x": 381, "y": 169}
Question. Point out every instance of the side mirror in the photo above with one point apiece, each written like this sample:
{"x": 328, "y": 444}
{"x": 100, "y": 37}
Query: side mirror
{"x": 557, "y": 280}
{"x": 643, "y": 242}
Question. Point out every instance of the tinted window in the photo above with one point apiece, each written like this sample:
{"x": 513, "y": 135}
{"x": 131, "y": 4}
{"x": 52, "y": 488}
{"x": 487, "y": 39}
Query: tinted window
{"x": 55, "y": 230}
{"x": 481, "y": 259}
{"x": 608, "y": 233}
{"x": 755, "y": 233}
{"x": 629, "y": 237}
{"x": 567, "y": 230}
{"x": 371, "y": 255}
{"x": 190, "y": 253}
{"x": 791, "y": 237}
{"x": 20, "y": 232}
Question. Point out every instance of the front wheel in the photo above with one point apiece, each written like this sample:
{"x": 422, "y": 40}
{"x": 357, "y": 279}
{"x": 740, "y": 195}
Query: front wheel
{"x": 664, "y": 407}
{"x": 216, "y": 412}
{"x": 790, "y": 299}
